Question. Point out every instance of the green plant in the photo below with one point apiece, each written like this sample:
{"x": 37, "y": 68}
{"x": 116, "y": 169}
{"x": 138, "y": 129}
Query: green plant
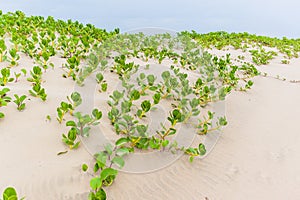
{"x": 261, "y": 56}
{"x": 100, "y": 80}
{"x": 14, "y": 57}
{"x": 81, "y": 127}
{"x": 44, "y": 60}
{"x": 19, "y": 101}
{"x": 17, "y": 75}
{"x": 73, "y": 67}
{"x": 193, "y": 152}
{"x": 205, "y": 125}
{"x": 174, "y": 117}
{"x": 38, "y": 91}
{"x": 122, "y": 68}
{"x": 5, "y": 78}
{"x": 36, "y": 75}
{"x": 285, "y": 62}
{"x": 10, "y": 194}
{"x": 103, "y": 165}
{"x": 4, "y": 99}
{"x": 2, "y": 50}
{"x": 74, "y": 100}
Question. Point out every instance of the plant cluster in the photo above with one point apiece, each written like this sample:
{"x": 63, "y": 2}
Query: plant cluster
{"x": 89, "y": 51}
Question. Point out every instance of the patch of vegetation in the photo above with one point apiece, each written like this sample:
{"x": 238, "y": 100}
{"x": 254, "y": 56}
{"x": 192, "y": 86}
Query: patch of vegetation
{"x": 92, "y": 52}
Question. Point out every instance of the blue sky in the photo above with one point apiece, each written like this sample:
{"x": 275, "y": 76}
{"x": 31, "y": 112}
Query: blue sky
{"x": 264, "y": 17}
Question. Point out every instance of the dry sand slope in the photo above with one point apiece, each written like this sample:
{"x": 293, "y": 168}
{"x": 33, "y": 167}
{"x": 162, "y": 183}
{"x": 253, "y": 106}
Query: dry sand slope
{"x": 257, "y": 156}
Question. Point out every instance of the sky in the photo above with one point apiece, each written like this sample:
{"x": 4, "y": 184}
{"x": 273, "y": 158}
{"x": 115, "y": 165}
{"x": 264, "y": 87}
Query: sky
{"x": 263, "y": 17}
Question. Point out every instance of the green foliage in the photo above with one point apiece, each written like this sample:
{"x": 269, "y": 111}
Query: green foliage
{"x": 38, "y": 91}
{"x": 2, "y": 49}
{"x": 14, "y": 57}
{"x": 19, "y": 101}
{"x": 73, "y": 67}
{"x": 10, "y": 194}
{"x": 261, "y": 56}
{"x": 84, "y": 167}
{"x": 88, "y": 50}
{"x": 5, "y": 78}
{"x": 74, "y": 100}
{"x": 36, "y": 75}
{"x": 81, "y": 127}
{"x": 285, "y": 61}
{"x": 122, "y": 68}
{"x": 4, "y": 98}
{"x": 100, "y": 80}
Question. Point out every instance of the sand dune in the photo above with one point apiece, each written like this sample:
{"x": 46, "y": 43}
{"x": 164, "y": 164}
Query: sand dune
{"x": 255, "y": 158}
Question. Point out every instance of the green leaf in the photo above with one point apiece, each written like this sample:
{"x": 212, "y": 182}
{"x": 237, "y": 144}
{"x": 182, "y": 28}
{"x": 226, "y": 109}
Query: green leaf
{"x": 10, "y": 194}
{"x": 134, "y": 95}
{"x": 222, "y": 121}
{"x": 109, "y": 148}
{"x": 192, "y": 151}
{"x": 64, "y": 105}
{"x": 108, "y": 172}
{"x": 146, "y": 105}
{"x": 104, "y": 87}
{"x": 142, "y": 76}
{"x": 122, "y": 141}
{"x": 76, "y": 145}
{"x": 72, "y": 133}
{"x": 165, "y": 143}
{"x": 99, "y": 77}
{"x": 84, "y": 167}
{"x": 202, "y": 149}
{"x": 191, "y": 159}
{"x": 101, "y": 159}
{"x": 150, "y": 79}
{"x": 119, "y": 161}
{"x": 156, "y": 98}
{"x": 139, "y": 113}
{"x": 141, "y": 129}
{"x": 122, "y": 152}
{"x": 71, "y": 123}
{"x": 97, "y": 114}
{"x": 23, "y": 97}
{"x": 76, "y": 98}
{"x": 165, "y": 75}
{"x": 176, "y": 114}
{"x": 2, "y": 115}
{"x": 99, "y": 195}
{"x": 96, "y": 183}
{"x": 85, "y": 131}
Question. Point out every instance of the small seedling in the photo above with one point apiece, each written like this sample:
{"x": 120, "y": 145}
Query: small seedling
{"x": 81, "y": 127}
{"x": 100, "y": 80}
{"x": 38, "y": 91}
{"x": 285, "y": 62}
{"x": 17, "y": 75}
{"x": 2, "y": 50}
{"x": 5, "y": 78}
{"x": 24, "y": 71}
{"x": 193, "y": 152}
{"x": 19, "y": 101}
{"x": 74, "y": 101}
{"x": 36, "y": 75}
{"x": 4, "y": 99}
{"x": 14, "y": 57}
{"x": 73, "y": 67}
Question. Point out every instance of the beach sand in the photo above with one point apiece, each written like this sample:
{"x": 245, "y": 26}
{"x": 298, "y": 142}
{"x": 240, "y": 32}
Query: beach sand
{"x": 256, "y": 157}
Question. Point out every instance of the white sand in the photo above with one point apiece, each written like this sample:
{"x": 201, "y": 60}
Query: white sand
{"x": 257, "y": 156}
